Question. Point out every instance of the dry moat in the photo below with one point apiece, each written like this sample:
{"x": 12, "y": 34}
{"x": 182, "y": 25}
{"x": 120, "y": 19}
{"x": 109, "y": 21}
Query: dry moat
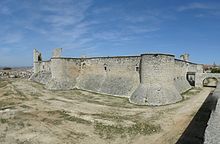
{"x": 29, "y": 113}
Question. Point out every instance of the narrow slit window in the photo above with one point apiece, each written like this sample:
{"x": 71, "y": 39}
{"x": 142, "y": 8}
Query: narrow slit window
{"x": 105, "y": 67}
{"x": 137, "y": 69}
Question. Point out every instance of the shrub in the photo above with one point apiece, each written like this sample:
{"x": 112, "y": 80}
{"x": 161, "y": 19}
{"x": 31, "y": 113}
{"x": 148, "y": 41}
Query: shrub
{"x": 215, "y": 70}
{"x": 6, "y": 68}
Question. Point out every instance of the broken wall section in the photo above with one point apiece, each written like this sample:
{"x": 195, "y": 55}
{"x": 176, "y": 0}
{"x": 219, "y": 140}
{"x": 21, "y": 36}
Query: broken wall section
{"x": 41, "y": 69}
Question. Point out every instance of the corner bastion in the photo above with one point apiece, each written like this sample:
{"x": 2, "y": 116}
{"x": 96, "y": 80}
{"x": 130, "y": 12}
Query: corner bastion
{"x": 157, "y": 81}
{"x": 148, "y": 79}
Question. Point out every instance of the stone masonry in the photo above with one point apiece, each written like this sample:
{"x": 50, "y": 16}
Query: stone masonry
{"x": 148, "y": 79}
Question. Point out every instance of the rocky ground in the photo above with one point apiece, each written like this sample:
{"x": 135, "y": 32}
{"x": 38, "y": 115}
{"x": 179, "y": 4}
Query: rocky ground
{"x": 20, "y": 72}
{"x": 31, "y": 114}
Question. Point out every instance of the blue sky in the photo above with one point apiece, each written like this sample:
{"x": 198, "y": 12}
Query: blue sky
{"x": 109, "y": 28}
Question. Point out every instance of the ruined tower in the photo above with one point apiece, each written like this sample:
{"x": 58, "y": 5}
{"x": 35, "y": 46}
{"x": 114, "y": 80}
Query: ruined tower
{"x": 37, "y": 58}
{"x": 57, "y": 53}
{"x": 184, "y": 57}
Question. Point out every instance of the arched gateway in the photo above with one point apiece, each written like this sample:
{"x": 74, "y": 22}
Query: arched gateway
{"x": 201, "y": 79}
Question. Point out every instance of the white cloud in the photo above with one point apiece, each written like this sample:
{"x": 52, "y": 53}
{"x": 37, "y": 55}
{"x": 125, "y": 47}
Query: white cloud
{"x": 64, "y": 13}
{"x": 5, "y": 10}
{"x": 101, "y": 10}
{"x": 193, "y": 6}
{"x": 10, "y": 38}
{"x": 61, "y": 22}
{"x": 138, "y": 29}
{"x": 67, "y": 24}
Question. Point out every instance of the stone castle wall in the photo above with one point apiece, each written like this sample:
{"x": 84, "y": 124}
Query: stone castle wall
{"x": 149, "y": 79}
{"x": 43, "y": 66}
{"x": 109, "y": 75}
{"x": 41, "y": 70}
{"x": 180, "y": 81}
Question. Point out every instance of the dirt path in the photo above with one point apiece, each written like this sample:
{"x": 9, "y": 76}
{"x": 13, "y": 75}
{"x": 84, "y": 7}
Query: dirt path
{"x": 31, "y": 114}
{"x": 182, "y": 117}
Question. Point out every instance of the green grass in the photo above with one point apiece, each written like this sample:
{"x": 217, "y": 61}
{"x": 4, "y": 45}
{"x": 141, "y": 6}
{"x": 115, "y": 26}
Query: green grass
{"x": 3, "y": 83}
{"x": 6, "y": 104}
{"x": 52, "y": 121}
{"x": 77, "y": 135}
{"x": 114, "y": 116}
{"x": 8, "y": 93}
{"x": 97, "y": 98}
{"x": 77, "y": 120}
{"x": 112, "y": 131}
{"x": 35, "y": 94}
{"x": 63, "y": 114}
{"x": 21, "y": 124}
{"x": 55, "y": 99}
{"x": 25, "y": 106}
{"x": 192, "y": 91}
{"x": 15, "y": 92}
{"x": 20, "y": 94}
{"x": 3, "y": 121}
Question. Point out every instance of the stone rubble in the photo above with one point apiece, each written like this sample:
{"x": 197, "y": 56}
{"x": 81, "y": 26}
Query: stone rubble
{"x": 16, "y": 73}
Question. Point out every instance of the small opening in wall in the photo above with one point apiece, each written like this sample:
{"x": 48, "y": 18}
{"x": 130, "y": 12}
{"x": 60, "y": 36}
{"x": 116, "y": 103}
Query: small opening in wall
{"x": 105, "y": 67}
{"x": 43, "y": 66}
{"x": 137, "y": 68}
{"x": 39, "y": 58}
{"x": 190, "y": 76}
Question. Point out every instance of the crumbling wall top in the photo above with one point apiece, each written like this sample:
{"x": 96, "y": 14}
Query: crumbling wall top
{"x": 37, "y": 56}
{"x": 57, "y": 53}
{"x": 157, "y": 54}
{"x": 184, "y": 57}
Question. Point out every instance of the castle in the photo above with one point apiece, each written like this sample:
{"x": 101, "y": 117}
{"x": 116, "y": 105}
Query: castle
{"x": 148, "y": 79}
